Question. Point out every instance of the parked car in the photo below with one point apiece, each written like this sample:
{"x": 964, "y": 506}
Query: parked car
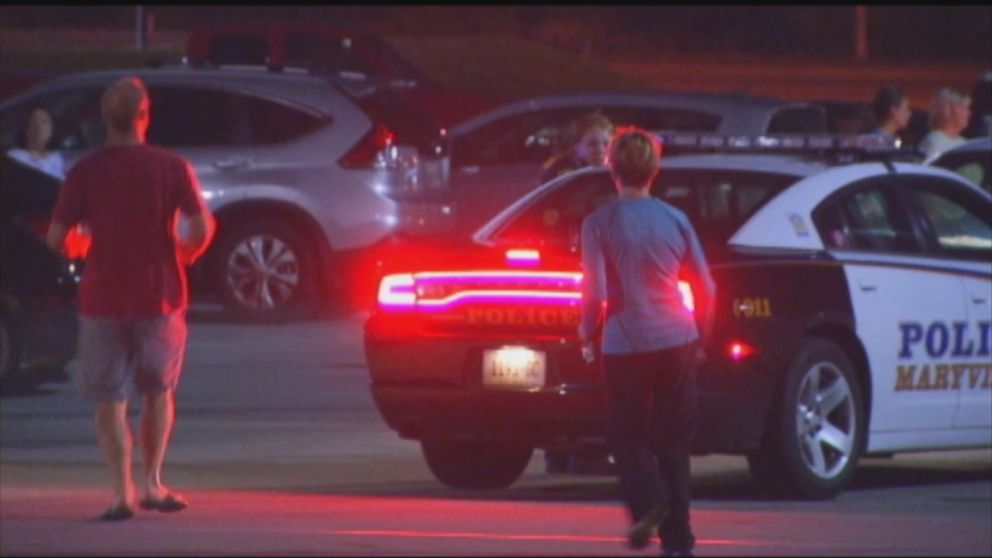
{"x": 37, "y": 287}
{"x": 357, "y": 61}
{"x": 851, "y": 319}
{"x": 300, "y": 177}
{"x": 971, "y": 160}
{"x": 313, "y": 47}
{"x": 496, "y": 157}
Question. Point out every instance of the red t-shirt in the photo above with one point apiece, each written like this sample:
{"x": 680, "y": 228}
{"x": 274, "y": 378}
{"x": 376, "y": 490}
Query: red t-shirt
{"x": 128, "y": 195}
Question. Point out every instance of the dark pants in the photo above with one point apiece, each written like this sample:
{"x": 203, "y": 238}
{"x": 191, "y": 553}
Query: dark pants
{"x": 652, "y": 410}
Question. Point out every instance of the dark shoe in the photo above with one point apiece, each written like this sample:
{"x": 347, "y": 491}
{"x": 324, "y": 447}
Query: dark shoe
{"x": 642, "y": 531}
{"x": 170, "y": 503}
{"x": 118, "y": 512}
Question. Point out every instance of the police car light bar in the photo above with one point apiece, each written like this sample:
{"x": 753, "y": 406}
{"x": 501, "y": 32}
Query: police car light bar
{"x": 845, "y": 146}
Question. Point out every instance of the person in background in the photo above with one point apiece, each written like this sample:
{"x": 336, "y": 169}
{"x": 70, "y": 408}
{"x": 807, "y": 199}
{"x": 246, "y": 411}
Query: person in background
{"x": 133, "y": 296}
{"x": 981, "y": 108}
{"x": 589, "y": 134}
{"x": 950, "y": 111}
{"x": 634, "y": 252}
{"x": 35, "y": 153}
{"x": 891, "y": 110}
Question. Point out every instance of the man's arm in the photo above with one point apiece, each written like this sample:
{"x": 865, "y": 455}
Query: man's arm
{"x": 198, "y": 232}
{"x": 56, "y": 237}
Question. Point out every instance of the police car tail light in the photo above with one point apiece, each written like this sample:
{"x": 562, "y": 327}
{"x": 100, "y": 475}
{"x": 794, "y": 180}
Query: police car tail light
{"x": 445, "y": 290}
{"x": 739, "y": 350}
{"x": 687, "y": 299}
{"x": 397, "y": 291}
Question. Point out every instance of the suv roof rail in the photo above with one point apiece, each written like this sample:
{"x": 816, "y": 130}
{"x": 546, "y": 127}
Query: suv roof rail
{"x": 842, "y": 148}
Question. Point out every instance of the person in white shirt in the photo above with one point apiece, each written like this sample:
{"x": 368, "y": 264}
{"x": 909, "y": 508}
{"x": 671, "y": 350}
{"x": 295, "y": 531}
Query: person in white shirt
{"x": 950, "y": 111}
{"x": 35, "y": 152}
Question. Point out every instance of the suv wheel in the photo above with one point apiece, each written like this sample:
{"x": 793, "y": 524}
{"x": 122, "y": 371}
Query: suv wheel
{"x": 815, "y": 435}
{"x": 263, "y": 269}
{"x": 477, "y": 465}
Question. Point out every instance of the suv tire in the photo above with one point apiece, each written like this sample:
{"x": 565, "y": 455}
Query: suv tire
{"x": 263, "y": 269}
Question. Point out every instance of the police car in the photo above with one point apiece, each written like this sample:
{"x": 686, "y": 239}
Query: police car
{"x": 852, "y": 318}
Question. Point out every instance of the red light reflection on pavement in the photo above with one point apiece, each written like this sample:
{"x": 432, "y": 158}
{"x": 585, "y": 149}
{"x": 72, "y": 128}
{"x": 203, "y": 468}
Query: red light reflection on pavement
{"x": 519, "y": 537}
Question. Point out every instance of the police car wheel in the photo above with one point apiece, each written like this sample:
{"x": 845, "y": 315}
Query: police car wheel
{"x": 816, "y": 432}
{"x": 476, "y": 465}
{"x": 263, "y": 269}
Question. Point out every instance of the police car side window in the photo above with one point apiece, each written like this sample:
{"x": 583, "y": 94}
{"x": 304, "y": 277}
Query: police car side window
{"x": 959, "y": 221}
{"x": 872, "y": 219}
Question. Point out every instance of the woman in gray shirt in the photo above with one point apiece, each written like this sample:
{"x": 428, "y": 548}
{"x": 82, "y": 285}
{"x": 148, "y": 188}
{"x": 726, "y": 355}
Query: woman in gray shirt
{"x": 634, "y": 251}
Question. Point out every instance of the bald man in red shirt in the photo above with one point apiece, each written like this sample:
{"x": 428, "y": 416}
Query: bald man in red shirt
{"x": 133, "y": 296}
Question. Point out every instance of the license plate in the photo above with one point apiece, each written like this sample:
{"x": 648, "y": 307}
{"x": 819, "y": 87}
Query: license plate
{"x": 513, "y": 367}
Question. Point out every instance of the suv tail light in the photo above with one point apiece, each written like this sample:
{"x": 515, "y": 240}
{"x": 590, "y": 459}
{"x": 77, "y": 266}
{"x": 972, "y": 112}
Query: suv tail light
{"x": 372, "y": 150}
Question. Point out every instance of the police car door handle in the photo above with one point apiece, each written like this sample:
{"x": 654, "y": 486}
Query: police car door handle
{"x": 978, "y": 299}
{"x": 867, "y": 287}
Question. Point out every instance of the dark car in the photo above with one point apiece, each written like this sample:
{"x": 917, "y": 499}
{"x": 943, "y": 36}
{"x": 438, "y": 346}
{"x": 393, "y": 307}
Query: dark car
{"x": 37, "y": 287}
{"x": 356, "y": 61}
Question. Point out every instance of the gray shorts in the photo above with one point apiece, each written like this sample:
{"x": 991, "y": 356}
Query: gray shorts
{"x": 148, "y": 352}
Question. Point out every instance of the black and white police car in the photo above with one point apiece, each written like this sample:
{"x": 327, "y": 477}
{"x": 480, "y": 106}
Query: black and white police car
{"x": 852, "y": 318}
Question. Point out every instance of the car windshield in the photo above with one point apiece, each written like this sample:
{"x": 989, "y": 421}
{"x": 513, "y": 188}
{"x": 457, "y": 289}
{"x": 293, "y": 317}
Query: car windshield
{"x": 717, "y": 203}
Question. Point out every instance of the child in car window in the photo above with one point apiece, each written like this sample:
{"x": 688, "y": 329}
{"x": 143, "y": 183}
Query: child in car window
{"x": 590, "y": 134}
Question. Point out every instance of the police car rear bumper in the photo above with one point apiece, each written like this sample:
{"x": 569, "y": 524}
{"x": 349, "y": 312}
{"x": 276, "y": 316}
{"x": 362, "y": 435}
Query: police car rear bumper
{"x": 432, "y": 389}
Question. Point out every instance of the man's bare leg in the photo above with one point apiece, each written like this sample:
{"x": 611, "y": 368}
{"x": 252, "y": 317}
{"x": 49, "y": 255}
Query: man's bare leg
{"x": 157, "y": 418}
{"x": 114, "y": 435}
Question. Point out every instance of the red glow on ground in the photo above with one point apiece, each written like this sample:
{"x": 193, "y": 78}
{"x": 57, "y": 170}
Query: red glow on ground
{"x": 516, "y": 537}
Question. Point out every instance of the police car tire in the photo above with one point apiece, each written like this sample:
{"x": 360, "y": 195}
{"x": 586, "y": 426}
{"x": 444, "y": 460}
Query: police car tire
{"x": 780, "y": 464}
{"x": 10, "y": 347}
{"x": 485, "y": 465}
{"x": 233, "y": 238}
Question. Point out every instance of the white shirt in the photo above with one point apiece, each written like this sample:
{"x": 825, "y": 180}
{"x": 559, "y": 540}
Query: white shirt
{"x": 51, "y": 164}
{"x": 937, "y": 142}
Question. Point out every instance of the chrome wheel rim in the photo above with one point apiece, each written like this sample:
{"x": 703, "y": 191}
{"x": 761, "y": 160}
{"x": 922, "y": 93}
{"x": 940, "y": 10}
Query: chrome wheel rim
{"x": 825, "y": 420}
{"x": 263, "y": 272}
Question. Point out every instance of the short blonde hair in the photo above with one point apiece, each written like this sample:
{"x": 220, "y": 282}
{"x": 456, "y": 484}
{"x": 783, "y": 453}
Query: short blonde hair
{"x": 123, "y": 103}
{"x": 634, "y": 156}
{"x": 942, "y": 103}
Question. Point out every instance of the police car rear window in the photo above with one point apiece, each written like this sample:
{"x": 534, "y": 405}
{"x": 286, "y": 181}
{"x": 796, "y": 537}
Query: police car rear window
{"x": 716, "y": 202}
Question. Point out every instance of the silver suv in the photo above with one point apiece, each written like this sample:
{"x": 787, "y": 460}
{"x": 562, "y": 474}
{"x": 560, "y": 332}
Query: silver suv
{"x": 300, "y": 176}
{"x": 496, "y": 157}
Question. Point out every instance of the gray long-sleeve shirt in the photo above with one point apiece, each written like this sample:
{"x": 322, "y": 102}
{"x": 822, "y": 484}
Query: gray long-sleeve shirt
{"x": 632, "y": 253}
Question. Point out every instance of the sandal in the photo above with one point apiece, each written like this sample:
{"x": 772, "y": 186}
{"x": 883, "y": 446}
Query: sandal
{"x": 117, "y": 513}
{"x": 171, "y": 502}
